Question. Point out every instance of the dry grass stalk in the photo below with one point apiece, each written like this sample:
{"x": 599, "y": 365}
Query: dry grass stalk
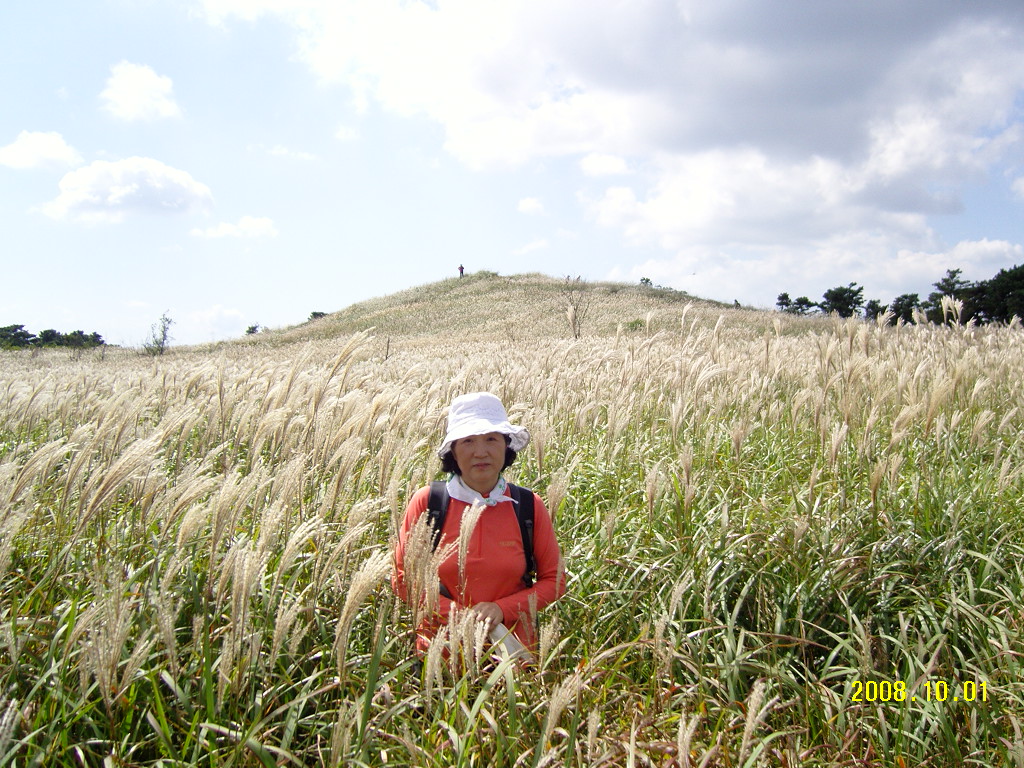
{"x": 243, "y": 570}
{"x": 421, "y": 566}
{"x": 562, "y": 696}
{"x": 104, "y": 631}
{"x": 10, "y": 526}
{"x": 433, "y": 667}
{"x": 366, "y": 580}
{"x": 755, "y": 715}
{"x": 470, "y": 517}
{"x": 8, "y": 722}
{"x": 549, "y": 636}
{"x": 684, "y": 737}
{"x": 341, "y": 734}
{"x": 39, "y": 465}
{"x": 168, "y": 606}
{"x": 469, "y": 641}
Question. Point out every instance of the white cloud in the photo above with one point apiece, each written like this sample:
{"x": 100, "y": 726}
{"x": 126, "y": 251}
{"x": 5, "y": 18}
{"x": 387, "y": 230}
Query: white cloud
{"x": 1018, "y": 187}
{"x": 773, "y": 139}
{"x": 136, "y": 92}
{"x": 217, "y": 11}
{"x": 106, "y": 191}
{"x": 511, "y": 80}
{"x": 346, "y": 133}
{"x": 744, "y": 197}
{"x": 756, "y": 276}
{"x": 279, "y": 150}
{"x": 530, "y": 205}
{"x": 247, "y": 226}
{"x": 981, "y": 259}
{"x": 213, "y": 324}
{"x": 536, "y": 245}
{"x": 950, "y": 108}
{"x": 37, "y": 149}
{"x": 597, "y": 164}
{"x": 502, "y": 92}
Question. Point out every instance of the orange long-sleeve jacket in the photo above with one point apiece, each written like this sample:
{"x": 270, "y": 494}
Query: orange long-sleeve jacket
{"x": 494, "y": 569}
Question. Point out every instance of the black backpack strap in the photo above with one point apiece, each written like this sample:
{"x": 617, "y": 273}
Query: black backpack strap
{"x": 523, "y": 502}
{"x": 437, "y": 508}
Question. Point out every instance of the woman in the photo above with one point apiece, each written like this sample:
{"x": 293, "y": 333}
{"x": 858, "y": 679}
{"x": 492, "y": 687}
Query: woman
{"x": 478, "y": 446}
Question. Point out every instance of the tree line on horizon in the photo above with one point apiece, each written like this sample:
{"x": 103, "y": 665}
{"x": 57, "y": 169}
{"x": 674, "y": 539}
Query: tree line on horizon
{"x": 997, "y": 300}
{"x": 16, "y": 337}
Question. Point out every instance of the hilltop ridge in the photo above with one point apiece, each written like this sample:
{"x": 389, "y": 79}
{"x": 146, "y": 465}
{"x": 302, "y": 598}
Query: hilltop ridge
{"x": 485, "y": 305}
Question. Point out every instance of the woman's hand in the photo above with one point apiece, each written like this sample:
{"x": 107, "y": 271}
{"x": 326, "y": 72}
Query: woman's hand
{"x": 489, "y": 613}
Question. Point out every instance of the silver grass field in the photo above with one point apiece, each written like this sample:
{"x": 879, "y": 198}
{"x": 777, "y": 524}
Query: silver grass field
{"x": 789, "y": 542}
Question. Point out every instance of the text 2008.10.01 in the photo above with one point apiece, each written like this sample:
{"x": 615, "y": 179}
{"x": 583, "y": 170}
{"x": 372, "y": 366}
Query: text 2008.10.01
{"x": 929, "y": 690}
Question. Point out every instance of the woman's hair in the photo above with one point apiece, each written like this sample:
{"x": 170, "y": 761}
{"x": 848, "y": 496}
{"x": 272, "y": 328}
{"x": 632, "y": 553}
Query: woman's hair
{"x": 448, "y": 463}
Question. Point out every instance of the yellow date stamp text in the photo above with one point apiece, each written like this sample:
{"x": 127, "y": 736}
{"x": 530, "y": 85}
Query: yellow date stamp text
{"x": 928, "y": 690}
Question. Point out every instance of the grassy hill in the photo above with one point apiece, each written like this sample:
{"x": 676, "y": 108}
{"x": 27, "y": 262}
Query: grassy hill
{"x": 484, "y": 305}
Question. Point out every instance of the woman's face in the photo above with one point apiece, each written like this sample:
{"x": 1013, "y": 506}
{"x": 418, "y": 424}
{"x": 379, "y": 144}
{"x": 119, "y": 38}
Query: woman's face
{"x": 480, "y": 459}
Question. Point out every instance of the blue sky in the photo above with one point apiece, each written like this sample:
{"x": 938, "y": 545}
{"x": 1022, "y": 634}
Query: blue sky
{"x": 251, "y": 161}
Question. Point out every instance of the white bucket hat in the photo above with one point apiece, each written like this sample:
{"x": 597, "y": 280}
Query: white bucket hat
{"x": 479, "y": 413}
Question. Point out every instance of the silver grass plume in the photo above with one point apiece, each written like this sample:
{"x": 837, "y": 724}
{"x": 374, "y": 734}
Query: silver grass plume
{"x": 8, "y": 720}
{"x": 304, "y": 533}
{"x": 191, "y": 522}
{"x": 168, "y": 606}
{"x": 684, "y": 737}
{"x": 435, "y": 656}
{"x": 238, "y": 492}
{"x": 179, "y": 499}
{"x": 548, "y": 639}
{"x": 271, "y": 522}
{"x": 755, "y": 714}
{"x": 39, "y": 465}
{"x": 9, "y": 528}
{"x": 244, "y": 570}
{"x": 468, "y": 639}
{"x": 287, "y": 613}
{"x": 341, "y": 734}
{"x": 469, "y": 520}
{"x": 421, "y": 563}
{"x": 593, "y": 726}
{"x": 107, "y": 627}
{"x": 370, "y": 575}
{"x": 329, "y": 555}
{"x": 561, "y": 697}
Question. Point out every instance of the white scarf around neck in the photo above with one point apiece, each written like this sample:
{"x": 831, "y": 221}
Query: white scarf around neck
{"x": 459, "y": 490}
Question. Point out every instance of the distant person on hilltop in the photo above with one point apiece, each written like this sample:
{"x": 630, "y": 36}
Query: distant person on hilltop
{"x": 461, "y": 270}
{"x": 510, "y": 566}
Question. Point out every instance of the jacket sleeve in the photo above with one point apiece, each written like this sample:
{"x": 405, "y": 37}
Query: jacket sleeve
{"x": 550, "y": 583}
{"x": 416, "y": 507}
